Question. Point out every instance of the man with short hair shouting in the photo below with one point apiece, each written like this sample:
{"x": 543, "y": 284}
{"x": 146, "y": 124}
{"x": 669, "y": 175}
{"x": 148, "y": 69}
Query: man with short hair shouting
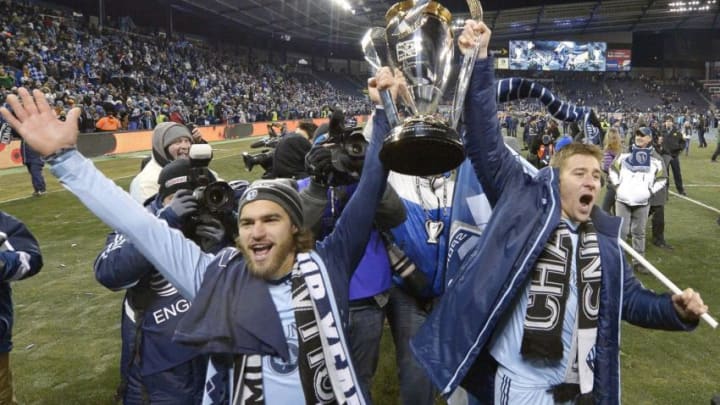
{"x": 533, "y": 316}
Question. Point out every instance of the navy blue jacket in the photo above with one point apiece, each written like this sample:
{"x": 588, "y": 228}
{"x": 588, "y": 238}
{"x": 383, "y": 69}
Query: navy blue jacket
{"x": 453, "y": 344}
{"x": 121, "y": 266}
{"x": 20, "y": 258}
{"x": 255, "y": 329}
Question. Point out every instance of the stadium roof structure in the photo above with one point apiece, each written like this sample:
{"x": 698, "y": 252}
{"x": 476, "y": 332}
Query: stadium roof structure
{"x": 327, "y": 21}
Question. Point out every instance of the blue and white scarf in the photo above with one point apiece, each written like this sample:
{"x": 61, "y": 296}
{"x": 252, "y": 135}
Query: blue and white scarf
{"x": 326, "y": 372}
{"x": 516, "y": 88}
{"x": 639, "y": 159}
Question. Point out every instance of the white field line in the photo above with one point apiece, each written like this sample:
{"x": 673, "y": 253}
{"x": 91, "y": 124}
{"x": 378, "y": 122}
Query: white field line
{"x": 696, "y": 202}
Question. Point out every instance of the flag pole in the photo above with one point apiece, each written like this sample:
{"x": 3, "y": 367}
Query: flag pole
{"x": 661, "y": 277}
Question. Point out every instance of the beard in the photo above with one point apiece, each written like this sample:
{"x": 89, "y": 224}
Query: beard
{"x": 272, "y": 266}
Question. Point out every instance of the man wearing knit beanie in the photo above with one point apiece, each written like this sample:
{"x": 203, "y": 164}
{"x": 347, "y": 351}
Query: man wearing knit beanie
{"x": 170, "y": 141}
{"x": 271, "y": 227}
{"x": 279, "y": 309}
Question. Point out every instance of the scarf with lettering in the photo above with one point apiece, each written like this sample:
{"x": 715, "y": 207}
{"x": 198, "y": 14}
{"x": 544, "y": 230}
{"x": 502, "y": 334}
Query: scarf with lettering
{"x": 542, "y": 337}
{"x": 326, "y": 372}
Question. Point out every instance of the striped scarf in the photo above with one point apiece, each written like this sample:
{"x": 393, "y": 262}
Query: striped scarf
{"x": 516, "y": 88}
{"x": 326, "y": 372}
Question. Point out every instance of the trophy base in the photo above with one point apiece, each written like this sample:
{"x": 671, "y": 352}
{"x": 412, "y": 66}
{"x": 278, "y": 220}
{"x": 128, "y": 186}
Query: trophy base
{"x": 422, "y": 146}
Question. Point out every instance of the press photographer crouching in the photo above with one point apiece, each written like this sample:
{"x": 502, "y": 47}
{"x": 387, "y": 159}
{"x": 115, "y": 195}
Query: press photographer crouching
{"x": 287, "y": 160}
{"x": 153, "y": 368}
{"x": 216, "y": 201}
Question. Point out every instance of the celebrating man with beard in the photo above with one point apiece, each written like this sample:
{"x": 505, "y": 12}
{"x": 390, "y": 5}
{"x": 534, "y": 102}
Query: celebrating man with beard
{"x": 272, "y": 311}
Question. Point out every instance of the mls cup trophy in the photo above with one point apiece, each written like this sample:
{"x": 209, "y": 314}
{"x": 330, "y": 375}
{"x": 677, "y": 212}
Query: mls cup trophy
{"x": 418, "y": 40}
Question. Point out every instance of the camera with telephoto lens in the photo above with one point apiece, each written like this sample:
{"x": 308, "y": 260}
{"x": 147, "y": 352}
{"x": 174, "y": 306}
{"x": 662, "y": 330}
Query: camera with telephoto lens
{"x": 216, "y": 199}
{"x": 264, "y": 158}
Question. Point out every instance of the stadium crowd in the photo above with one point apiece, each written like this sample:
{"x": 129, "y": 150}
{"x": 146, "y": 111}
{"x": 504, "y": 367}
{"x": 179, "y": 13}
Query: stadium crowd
{"x": 147, "y": 79}
{"x": 267, "y": 309}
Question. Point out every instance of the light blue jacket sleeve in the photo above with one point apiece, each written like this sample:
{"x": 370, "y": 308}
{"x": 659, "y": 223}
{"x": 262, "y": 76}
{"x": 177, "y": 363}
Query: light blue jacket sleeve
{"x": 180, "y": 260}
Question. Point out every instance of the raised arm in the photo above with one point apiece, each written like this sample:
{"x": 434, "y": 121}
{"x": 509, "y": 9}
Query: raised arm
{"x": 352, "y": 231}
{"x": 494, "y": 165}
{"x": 178, "y": 259}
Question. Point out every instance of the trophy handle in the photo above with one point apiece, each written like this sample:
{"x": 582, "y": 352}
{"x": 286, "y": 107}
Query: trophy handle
{"x": 372, "y": 36}
{"x": 476, "y": 13}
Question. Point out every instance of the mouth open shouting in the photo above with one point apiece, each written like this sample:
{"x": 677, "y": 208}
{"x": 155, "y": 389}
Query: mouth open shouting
{"x": 579, "y": 187}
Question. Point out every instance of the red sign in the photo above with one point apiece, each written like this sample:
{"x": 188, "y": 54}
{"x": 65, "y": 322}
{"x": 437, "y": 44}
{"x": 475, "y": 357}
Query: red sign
{"x": 618, "y": 60}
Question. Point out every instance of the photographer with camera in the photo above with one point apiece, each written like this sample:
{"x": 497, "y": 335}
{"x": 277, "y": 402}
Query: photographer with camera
{"x": 153, "y": 368}
{"x": 170, "y": 141}
{"x": 289, "y": 156}
{"x": 287, "y": 160}
{"x": 335, "y": 163}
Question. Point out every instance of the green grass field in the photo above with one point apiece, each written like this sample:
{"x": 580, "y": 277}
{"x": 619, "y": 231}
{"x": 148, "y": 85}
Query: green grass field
{"x": 67, "y": 326}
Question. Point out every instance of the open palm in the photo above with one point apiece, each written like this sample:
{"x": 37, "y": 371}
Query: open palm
{"x": 37, "y": 123}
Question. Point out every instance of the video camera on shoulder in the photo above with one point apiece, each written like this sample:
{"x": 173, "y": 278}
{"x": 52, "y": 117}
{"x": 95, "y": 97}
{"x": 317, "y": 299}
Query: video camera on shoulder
{"x": 347, "y": 147}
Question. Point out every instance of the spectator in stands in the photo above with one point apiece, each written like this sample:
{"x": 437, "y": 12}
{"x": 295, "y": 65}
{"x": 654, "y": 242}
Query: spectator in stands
{"x": 170, "y": 141}
{"x": 108, "y": 122}
{"x": 20, "y": 258}
{"x": 6, "y": 81}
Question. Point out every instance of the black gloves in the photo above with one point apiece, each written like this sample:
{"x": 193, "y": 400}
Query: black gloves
{"x": 209, "y": 233}
{"x": 183, "y": 203}
{"x": 318, "y": 163}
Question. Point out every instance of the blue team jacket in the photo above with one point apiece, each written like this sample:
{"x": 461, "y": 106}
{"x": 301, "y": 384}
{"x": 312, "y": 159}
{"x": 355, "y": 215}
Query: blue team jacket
{"x": 452, "y": 344}
{"x": 19, "y": 239}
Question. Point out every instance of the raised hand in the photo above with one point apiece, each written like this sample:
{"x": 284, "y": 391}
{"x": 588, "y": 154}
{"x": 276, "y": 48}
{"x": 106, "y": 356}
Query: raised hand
{"x": 475, "y": 33}
{"x": 37, "y": 123}
{"x": 385, "y": 79}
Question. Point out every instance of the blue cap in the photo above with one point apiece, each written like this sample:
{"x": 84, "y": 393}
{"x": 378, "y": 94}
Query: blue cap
{"x": 562, "y": 142}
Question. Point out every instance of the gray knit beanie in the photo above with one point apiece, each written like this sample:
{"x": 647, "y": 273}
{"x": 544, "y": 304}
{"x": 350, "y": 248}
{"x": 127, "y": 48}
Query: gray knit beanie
{"x": 280, "y": 191}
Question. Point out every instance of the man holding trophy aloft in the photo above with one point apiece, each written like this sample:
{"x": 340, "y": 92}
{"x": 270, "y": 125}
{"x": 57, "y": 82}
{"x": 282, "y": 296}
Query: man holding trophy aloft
{"x": 533, "y": 316}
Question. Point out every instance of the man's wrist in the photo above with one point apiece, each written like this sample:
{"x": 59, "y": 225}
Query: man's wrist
{"x": 58, "y": 154}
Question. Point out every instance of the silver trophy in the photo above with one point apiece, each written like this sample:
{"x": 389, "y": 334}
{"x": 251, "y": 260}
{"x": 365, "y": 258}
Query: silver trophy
{"x": 419, "y": 41}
